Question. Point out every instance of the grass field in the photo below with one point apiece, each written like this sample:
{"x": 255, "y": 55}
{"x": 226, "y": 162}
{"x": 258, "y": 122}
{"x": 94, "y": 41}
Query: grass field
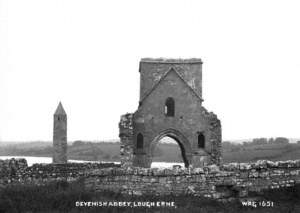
{"x": 62, "y": 197}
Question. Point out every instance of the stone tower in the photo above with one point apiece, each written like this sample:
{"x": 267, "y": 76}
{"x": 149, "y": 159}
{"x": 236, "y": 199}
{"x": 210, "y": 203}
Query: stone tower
{"x": 170, "y": 105}
{"x": 60, "y": 135}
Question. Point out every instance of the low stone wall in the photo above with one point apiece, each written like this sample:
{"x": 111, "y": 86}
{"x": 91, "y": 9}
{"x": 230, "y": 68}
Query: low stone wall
{"x": 229, "y": 181}
{"x": 10, "y": 167}
{"x": 17, "y": 171}
{"x": 234, "y": 180}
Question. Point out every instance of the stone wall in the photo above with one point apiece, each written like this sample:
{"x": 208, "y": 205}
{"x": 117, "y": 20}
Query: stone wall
{"x": 126, "y": 138}
{"x": 11, "y": 167}
{"x": 17, "y": 171}
{"x": 234, "y": 180}
{"x": 215, "y": 130}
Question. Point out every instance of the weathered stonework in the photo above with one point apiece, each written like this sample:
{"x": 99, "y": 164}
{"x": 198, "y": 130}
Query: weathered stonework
{"x": 171, "y": 105}
{"x": 234, "y": 180}
{"x": 126, "y": 137}
{"x": 11, "y": 167}
{"x": 60, "y": 135}
{"x": 17, "y": 171}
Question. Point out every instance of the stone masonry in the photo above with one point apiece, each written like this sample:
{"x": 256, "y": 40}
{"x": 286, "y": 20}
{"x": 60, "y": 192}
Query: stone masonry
{"x": 126, "y": 136}
{"x": 233, "y": 180}
{"x": 60, "y": 135}
{"x": 170, "y": 105}
{"x": 17, "y": 171}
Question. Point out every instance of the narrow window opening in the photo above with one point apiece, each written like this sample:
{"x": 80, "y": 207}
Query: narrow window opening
{"x": 201, "y": 140}
{"x": 170, "y": 107}
{"x": 140, "y": 141}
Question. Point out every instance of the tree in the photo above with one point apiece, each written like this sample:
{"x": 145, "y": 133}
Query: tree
{"x": 281, "y": 140}
{"x": 78, "y": 143}
{"x": 258, "y": 141}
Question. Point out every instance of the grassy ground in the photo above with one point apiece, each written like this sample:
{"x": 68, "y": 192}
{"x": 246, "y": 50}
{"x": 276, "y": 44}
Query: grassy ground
{"x": 62, "y": 197}
{"x": 164, "y": 152}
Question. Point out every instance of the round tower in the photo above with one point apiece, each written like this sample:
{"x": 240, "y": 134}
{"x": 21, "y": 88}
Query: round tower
{"x": 60, "y": 135}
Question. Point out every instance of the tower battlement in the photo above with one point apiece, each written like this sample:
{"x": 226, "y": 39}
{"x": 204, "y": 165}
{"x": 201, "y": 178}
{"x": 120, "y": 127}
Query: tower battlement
{"x": 153, "y": 70}
{"x": 172, "y": 60}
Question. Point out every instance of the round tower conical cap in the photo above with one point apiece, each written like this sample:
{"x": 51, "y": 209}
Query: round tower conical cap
{"x": 60, "y": 110}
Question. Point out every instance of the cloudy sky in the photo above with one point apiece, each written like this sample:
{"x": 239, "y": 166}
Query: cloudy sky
{"x": 86, "y": 54}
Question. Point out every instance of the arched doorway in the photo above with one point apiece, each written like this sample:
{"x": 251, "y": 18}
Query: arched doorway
{"x": 176, "y": 137}
{"x": 167, "y": 153}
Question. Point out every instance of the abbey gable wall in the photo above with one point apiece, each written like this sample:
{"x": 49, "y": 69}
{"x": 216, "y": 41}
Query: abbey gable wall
{"x": 171, "y": 106}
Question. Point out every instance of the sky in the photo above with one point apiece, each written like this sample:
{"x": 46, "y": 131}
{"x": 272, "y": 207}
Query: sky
{"x": 85, "y": 53}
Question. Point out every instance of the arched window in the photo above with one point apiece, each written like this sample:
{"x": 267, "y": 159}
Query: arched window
{"x": 140, "y": 141}
{"x": 201, "y": 140}
{"x": 170, "y": 107}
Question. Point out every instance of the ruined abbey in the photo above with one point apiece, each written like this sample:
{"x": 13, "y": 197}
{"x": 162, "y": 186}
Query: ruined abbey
{"x": 171, "y": 105}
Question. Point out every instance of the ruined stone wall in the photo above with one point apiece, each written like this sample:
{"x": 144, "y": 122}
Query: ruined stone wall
{"x": 16, "y": 171}
{"x": 126, "y": 134}
{"x": 234, "y": 180}
{"x": 11, "y": 167}
{"x": 215, "y": 137}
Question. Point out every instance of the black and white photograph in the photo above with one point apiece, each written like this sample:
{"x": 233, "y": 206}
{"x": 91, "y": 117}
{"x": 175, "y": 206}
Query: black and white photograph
{"x": 135, "y": 106}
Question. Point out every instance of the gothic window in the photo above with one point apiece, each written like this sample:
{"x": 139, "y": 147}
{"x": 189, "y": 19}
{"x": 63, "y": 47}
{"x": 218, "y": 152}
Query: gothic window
{"x": 170, "y": 107}
{"x": 140, "y": 141}
{"x": 201, "y": 140}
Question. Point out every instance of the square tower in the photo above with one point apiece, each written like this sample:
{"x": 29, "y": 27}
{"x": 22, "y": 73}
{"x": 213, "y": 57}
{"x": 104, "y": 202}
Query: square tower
{"x": 153, "y": 70}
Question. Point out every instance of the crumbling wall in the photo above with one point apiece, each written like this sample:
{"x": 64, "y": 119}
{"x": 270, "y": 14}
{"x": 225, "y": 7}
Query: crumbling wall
{"x": 126, "y": 139}
{"x": 215, "y": 130}
{"x": 11, "y": 167}
{"x": 17, "y": 171}
{"x": 234, "y": 180}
